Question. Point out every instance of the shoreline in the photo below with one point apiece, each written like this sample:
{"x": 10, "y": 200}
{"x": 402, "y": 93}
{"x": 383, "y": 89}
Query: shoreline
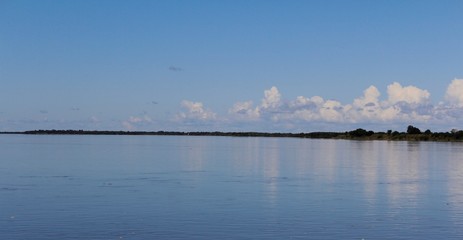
{"x": 358, "y": 134}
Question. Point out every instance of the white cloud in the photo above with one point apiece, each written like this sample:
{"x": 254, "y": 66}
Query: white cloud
{"x": 369, "y": 98}
{"x": 271, "y": 98}
{"x": 399, "y": 106}
{"x": 245, "y": 111}
{"x": 305, "y": 109}
{"x": 303, "y": 102}
{"x": 409, "y": 94}
{"x": 403, "y": 105}
{"x": 454, "y": 92}
{"x": 366, "y": 107}
{"x": 332, "y": 111}
{"x": 388, "y": 114}
{"x": 195, "y": 111}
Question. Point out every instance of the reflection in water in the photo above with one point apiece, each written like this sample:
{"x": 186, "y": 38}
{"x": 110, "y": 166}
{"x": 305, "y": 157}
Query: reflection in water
{"x": 347, "y": 186}
{"x": 454, "y": 172}
{"x": 369, "y": 165}
{"x": 193, "y": 151}
{"x": 245, "y": 156}
{"x": 327, "y": 160}
{"x": 271, "y": 165}
{"x": 402, "y": 175}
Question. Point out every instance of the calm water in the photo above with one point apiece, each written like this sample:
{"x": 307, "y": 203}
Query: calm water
{"x": 160, "y": 187}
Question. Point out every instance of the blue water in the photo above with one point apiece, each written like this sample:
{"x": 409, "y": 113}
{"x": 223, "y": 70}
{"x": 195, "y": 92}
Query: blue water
{"x": 165, "y": 187}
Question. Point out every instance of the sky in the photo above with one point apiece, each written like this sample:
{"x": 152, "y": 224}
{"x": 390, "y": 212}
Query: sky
{"x": 274, "y": 66}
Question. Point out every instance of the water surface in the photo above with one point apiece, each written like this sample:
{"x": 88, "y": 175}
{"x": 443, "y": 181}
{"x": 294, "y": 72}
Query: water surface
{"x": 168, "y": 187}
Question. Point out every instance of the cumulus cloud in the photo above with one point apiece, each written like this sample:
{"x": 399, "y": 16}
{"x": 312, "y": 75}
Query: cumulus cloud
{"x": 332, "y": 111}
{"x": 410, "y": 94}
{"x": 302, "y": 102}
{"x": 367, "y": 107}
{"x": 369, "y": 98}
{"x": 271, "y": 105}
{"x": 401, "y": 105}
{"x": 271, "y": 98}
{"x": 195, "y": 111}
{"x": 244, "y": 111}
{"x": 454, "y": 92}
{"x": 303, "y": 109}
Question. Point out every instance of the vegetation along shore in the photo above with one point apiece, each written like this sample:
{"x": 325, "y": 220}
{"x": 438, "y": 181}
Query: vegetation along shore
{"x": 412, "y": 134}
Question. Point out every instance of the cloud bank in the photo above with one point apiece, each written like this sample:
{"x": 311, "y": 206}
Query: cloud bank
{"x": 401, "y": 105}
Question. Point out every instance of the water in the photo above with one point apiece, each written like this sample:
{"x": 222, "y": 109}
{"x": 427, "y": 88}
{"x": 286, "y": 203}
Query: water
{"x": 166, "y": 187}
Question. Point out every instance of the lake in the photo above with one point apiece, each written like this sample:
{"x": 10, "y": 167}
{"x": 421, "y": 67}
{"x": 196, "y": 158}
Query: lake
{"x": 184, "y": 187}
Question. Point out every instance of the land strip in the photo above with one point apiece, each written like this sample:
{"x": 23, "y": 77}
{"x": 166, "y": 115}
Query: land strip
{"x": 412, "y": 134}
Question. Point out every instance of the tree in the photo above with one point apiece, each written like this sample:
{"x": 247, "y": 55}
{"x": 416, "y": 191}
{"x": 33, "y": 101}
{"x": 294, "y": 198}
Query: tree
{"x": 413, "y": 130}
{"x": 458, "y": 135}
{"x": 359, "y": 132}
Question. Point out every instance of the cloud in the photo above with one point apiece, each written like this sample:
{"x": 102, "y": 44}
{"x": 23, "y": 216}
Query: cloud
{"x": 454, "y": 94}
{"x": 303, "y": 102}
{"x": 410, "y": 94}
{"x": 175, "y": 69}
{"x": 367, "y": 107}
{"x": 271, "y": 98}
{"x": 369, "y": 98}
{"x": 133, "y": 123}
{"x": 401, "y": 105}
{"x": 332, "y": 111}
{"x": 398, "y": 106}
{"x": 139, "y": 119}
{"x": 195, "y": 111}
{"x": 244, "y": 111}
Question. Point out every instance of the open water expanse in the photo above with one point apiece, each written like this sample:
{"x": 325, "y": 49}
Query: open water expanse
{"x": 167, "y": 187}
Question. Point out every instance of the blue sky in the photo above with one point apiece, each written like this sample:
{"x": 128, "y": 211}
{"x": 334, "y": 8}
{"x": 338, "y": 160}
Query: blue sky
{"x": 231, "y": 65}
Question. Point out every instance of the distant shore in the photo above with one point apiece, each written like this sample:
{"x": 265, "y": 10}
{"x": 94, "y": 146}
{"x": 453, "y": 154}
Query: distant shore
{"x": 412, "y": 134}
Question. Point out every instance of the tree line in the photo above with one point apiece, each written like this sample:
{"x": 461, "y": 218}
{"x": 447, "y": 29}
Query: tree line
{"x": 411, "y": 134}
